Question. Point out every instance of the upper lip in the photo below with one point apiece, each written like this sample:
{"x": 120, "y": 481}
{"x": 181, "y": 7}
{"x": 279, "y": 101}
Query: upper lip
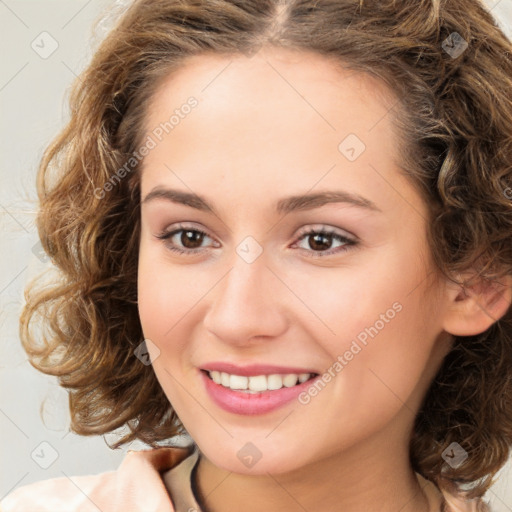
{"x": 253, "y": 369}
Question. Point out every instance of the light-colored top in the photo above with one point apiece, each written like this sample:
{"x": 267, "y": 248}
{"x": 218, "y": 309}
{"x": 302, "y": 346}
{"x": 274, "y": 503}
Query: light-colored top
{"x": 140, "y": 485}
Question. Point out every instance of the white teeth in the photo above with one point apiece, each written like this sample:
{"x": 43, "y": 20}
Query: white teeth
{"x": 258, "y": 383}
{"x": 224, "y": 379}
{"x": 290, "y": 380}
{"x": 274, "y": 382}
{"x": 238, "y": 382}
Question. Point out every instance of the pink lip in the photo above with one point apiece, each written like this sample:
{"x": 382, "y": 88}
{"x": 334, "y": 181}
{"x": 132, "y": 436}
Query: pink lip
{"x": 253, "y": 369}
{"x": 238, "y": 402}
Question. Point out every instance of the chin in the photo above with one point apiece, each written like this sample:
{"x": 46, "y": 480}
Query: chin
{"x": 255, "y": 459}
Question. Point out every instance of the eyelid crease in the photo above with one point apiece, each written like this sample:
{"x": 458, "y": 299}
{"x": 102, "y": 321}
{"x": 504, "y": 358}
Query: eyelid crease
{"x": 327, "y": 230}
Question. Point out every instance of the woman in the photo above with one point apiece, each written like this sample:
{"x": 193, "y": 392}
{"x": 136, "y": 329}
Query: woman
{"x": 284, "y": 228}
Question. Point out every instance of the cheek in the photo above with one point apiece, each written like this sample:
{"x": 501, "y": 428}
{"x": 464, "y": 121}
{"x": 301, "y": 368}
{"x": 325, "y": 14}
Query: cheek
{"x": 381, "y": 331}
{"x": 163, "y": 305}
{"x": 166, "y": 293}
{"x": 356, "y": 301}
{"x": 151, "y": 300}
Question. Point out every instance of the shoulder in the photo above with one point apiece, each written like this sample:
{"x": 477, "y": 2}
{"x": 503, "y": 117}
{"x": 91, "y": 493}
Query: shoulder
{"x": 136, "y": 485}
{"x": 453, "y": 501}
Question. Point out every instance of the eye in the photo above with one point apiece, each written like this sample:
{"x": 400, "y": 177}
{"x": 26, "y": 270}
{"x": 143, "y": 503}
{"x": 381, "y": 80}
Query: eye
{"x": 321, "y": 241}
{"x": 190, "y": 239}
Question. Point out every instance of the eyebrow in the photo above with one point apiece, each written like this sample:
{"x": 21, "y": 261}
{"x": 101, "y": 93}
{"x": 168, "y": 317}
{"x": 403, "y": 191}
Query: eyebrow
{"x": 283, "y": 206}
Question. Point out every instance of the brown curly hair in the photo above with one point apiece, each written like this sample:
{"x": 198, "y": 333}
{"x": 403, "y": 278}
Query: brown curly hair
{"x": 455, "y": 126}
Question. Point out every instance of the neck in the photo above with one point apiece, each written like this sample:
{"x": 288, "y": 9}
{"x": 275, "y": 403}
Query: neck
{"x": 374, "y": 476}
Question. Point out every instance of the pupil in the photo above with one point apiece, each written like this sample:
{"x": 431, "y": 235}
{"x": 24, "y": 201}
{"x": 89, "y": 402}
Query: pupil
{"x": 317, "y": 241}
{"x": 191, "y": 237}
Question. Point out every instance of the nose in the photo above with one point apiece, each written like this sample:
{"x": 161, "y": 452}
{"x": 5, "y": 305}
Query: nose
{"x": 248, "y": 304}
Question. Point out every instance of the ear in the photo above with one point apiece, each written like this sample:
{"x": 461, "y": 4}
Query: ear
{"x": 473, "y": 308}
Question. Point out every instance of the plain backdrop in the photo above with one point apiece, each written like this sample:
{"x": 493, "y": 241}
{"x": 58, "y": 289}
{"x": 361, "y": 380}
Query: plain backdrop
{"x": 45, "y": 44}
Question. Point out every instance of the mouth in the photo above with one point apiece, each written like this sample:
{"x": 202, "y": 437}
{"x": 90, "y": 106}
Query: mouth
{"x": 255, "y": 388}
{"x": 254, "y": 384}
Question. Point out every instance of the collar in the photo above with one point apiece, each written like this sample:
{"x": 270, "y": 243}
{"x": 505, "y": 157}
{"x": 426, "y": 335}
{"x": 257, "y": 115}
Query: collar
{"x": 179, "y": 481}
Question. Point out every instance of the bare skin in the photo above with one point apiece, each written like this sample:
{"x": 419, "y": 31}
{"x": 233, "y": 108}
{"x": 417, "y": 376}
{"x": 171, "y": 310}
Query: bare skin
{"x": 266, "y": 128}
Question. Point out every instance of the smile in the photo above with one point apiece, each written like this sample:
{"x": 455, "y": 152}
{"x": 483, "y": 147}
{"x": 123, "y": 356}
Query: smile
{"x": 254, "y": 394}
{"x": 258, "y": 383}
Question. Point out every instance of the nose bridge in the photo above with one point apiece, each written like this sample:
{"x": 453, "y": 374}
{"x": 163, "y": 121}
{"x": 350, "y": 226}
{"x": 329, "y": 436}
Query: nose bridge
{"x": 246, "y": 301}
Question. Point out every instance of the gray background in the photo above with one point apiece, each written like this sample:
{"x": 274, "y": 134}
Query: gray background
{"x": 33, "y": 94}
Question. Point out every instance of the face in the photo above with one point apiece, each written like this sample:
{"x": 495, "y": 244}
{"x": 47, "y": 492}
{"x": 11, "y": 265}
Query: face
{"x": 241, "y": 277}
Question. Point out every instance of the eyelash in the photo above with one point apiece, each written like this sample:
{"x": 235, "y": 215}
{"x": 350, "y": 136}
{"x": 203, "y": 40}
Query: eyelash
{"x": 166, "y": 235}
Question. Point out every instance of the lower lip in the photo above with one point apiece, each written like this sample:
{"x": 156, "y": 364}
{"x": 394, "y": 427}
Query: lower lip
{"x": 239, "y": 402}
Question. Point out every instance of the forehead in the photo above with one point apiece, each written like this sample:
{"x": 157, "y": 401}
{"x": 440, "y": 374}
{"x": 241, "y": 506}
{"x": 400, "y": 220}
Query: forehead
{"x": 273, "y": 77}
{"x": 280, "y": 117}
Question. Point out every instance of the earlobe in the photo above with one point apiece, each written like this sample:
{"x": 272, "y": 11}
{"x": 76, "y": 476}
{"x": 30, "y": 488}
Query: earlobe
{"x": 473, "y": 306}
